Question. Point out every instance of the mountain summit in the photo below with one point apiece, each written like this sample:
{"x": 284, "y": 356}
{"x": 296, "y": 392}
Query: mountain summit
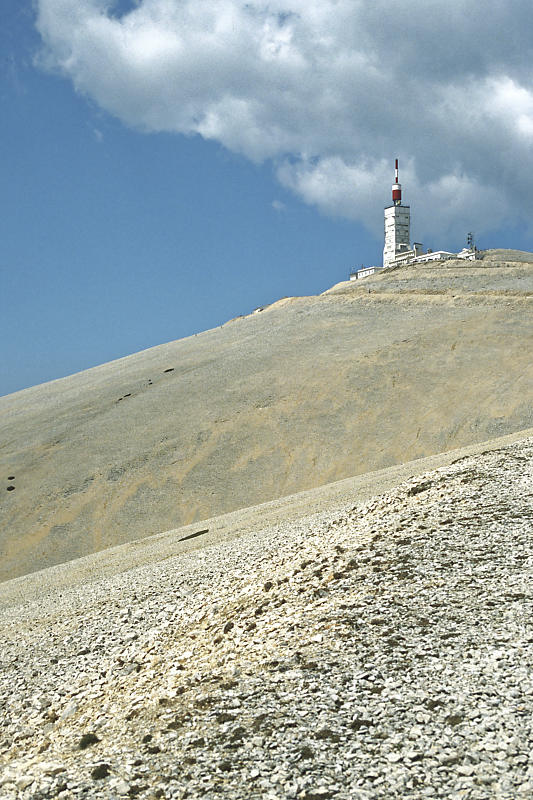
{"x": 412, "y": 361}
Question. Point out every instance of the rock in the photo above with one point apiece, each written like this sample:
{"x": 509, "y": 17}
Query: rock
{"x": 100, "y": 771}
{"x": 24, "y": 781}
{"x": 454, "y": 719}
{"x": 225, "y": 716}
{"x": 394, "y": 758}
{"x": 327, "y": 733}
{"x": 51, "y": 767}
{"x": 317, "y": 794}
{"x": 69, "y": 710}
{"x": 238, "y": 734}
{"x": 87, "y": 740}
{"x": 360, "y": 722}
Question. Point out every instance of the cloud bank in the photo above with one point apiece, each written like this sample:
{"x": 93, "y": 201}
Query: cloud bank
{"x": 329, "y": 90}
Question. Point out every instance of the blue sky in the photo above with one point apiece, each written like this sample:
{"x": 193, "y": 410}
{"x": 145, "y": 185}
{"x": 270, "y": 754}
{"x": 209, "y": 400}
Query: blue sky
{"x": 165, "y": 170}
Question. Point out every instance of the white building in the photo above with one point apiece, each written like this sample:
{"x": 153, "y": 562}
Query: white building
{"x": 467, "y": 254}
{"x": 397, "y": 249}
{"x": 363, "y": 272}
{"x": 397, "y": 225}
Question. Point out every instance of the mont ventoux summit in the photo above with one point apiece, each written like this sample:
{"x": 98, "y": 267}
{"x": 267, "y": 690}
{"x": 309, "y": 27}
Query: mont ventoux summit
{"x": 422, "y": 357}
{"x": 284, "y": 558}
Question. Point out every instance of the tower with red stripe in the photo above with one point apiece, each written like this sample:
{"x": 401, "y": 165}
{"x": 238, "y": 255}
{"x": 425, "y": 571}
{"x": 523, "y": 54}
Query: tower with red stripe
{"x": 397, "y": 224}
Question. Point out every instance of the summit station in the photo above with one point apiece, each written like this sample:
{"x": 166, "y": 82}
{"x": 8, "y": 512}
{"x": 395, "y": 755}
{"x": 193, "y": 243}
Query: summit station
{"x": 397, "y": 249}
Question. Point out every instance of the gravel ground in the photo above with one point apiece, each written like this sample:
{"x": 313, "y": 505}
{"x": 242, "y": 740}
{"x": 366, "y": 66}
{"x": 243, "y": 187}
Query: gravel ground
{"x": 376, "y": 651}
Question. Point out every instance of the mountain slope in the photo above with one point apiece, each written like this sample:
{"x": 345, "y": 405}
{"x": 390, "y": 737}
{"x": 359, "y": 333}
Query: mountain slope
{"x": 414, "y": 361}
{"x": 373, "y": 651}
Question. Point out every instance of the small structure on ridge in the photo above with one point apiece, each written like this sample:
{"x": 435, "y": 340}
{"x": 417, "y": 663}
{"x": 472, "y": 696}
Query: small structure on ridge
{"x": 397, "y": 248}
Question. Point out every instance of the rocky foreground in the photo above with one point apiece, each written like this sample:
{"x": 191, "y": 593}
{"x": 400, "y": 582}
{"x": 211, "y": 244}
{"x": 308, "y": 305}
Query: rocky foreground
{"x": 378, "y": 651}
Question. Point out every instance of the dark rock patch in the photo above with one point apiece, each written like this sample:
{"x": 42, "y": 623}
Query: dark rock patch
{"x": 87, "y": 740}
{"x": 193, "y": 535}
{"x": 419, "y": 487}
{"x": 100, "y": 771}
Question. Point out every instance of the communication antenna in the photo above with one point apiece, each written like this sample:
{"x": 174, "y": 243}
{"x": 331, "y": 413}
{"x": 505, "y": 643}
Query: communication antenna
{"x": 396, "y": 187}
{"x": 470, "y": 240}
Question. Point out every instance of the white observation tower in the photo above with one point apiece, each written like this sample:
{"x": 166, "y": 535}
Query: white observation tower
{"x": 397, "y": 225}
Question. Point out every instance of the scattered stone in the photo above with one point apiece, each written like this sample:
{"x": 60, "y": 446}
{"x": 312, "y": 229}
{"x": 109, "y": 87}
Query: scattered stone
{"x": 51, "y": 767}
{"x": 454, "y": 719}
{"x": 87, "y": 740}
{"x": 24, "y": 781}
{"x": 225, "y": 716}
{"x": 327, "y": 733}
{"x": 100, "y": 771}
{"x": 379, "y": 666}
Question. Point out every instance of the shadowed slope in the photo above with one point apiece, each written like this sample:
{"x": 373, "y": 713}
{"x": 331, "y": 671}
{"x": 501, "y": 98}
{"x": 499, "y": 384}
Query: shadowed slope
{"x": 411, "y": 362}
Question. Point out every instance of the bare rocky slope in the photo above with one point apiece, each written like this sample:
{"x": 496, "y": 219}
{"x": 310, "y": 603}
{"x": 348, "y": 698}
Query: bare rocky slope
{"x": 412, "y": 362}
{"x": 371, "y": 651}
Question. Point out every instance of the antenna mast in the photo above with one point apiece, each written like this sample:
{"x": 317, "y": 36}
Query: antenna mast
{"x": 396, "y": 187}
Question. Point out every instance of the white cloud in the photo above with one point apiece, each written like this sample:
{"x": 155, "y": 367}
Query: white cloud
{"x": 330, "y": 90}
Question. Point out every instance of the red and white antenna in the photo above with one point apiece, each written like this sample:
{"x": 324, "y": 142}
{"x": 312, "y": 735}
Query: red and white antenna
{"x": 396, "y": 187}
